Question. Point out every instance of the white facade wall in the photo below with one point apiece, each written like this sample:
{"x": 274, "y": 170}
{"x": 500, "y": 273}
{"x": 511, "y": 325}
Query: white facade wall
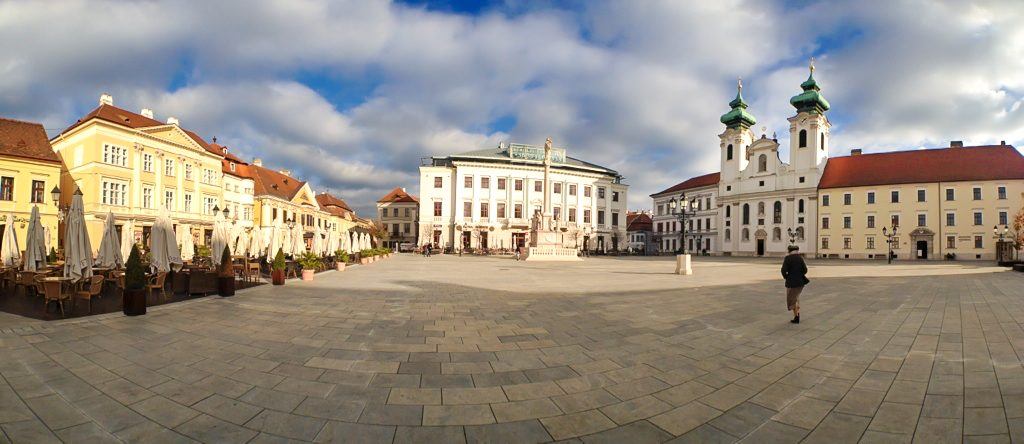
{"x": 702, "y": 236}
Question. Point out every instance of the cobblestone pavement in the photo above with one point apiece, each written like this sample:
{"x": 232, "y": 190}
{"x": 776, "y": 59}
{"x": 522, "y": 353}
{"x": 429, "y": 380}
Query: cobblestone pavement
{"x": 448, "y": 349}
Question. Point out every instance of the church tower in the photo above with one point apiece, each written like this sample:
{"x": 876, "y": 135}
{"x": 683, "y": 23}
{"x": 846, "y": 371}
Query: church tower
{"x": 809, "y": 128}
{"x": 736, "y": 138}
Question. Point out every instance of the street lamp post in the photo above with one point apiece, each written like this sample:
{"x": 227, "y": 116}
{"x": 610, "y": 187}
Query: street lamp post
{"x": 682, "y": 210}
{"x": 1001, "y": 240}
{"x": 792, "y": 235}
{"x": 890, "y": 238}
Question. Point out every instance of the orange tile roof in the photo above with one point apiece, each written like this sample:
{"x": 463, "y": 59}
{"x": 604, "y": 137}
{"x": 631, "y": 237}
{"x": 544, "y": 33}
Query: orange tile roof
{"x": 334, "y": 205}
{"x": 268, "y": 182}
{"x": 693, "y": 182}
{"x": 638, "y": 221}
{"x": 113, "y": 114}
{"x": 398, "y": 195}
{"x": 989, "y": 162}
{"x": 242, "y": 169}
{"x": 25, "y": 139}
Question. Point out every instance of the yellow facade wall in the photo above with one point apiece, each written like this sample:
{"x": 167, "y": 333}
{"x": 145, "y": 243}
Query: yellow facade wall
{"x": 24, "y": 172}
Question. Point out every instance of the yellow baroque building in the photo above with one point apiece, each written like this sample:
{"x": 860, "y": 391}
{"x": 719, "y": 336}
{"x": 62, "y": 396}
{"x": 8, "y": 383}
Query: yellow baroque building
{"x": 280, "y": 197}
{"x": 137, "y": 167}
{"x": 945, "y": 202}
{"x": 29, "y": 170}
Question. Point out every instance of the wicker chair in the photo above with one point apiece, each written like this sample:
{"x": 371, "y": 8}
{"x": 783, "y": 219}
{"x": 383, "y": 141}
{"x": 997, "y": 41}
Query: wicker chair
{"x": 156, "y": 282}
{"x": 52, "y": 291}
{"x": 93, "y": 290}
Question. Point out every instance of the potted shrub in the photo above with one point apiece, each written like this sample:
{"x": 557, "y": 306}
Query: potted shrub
{"x": 340, "y": 258}
{"x": 309, "y": 262}
{"x": 226, "y": 275}
{"x": 133, "y": 299}
{"x": 364, "y": 257}
{"x": 51, "y": 258}
{"x": 277, "y": 268}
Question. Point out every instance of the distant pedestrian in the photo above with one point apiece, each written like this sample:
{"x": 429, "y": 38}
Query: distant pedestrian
{"x": 518, "y": 252}
{"x": 794, "y": 271}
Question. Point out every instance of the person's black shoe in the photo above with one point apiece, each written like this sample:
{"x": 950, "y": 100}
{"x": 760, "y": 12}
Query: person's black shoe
{"x": 796, "y": 320}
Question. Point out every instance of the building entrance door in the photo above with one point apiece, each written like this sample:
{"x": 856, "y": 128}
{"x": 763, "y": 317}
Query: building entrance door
{"x": 760, "y": 247}
{"x": 518, "y": 240}
{"x": 483, "y": 240}
{"x": 466, "y": 239}
{"x": 922, "y": 249}
{"x": 437, "y": 238}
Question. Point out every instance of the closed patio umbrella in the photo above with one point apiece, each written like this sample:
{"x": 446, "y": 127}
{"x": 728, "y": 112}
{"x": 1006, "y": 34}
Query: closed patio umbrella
{"x": 110, "y": 246}
{"x": 298, "y": 242}
{"x": 274, "y": 239}
{"x": 238, "y": 239}
{"x": 35, "y": 242}
{"x": 127, "y": 238}
{"x": 10, "y": 254}
{"x": 353, "y": 246}
{"x": 186, "y": 242}
{"x": 221, "y": 239}
{"x": 318, "y": 242}
{"x": 77, "y": 248}
{"x": 164, "y": 253}
{"x": 255, "y": 247}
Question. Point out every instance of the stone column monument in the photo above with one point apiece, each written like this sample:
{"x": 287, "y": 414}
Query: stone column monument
{"x": 544, "y": 239}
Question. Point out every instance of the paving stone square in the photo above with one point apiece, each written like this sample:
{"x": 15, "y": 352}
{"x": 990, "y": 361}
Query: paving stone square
{"x": 486, "y": 349}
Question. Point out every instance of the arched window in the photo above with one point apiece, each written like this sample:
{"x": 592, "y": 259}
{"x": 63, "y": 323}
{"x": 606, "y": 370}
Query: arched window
{"x": 800, "y": 233}
{"x": 800, "y": 206}
{"x": 777, "y": 212}
{"x": 822, "y": 146}
{"x": 728, "y": 152}
{"x": 803, "y": 138}
{"x": 762, "y": 163}
{"x": 760, "y": 208}
{"x": 746, "y": 214}
{"x": 777, "y": 234}
{"x": 727, "y": 212}
{"x": 746, "y": 234}
{"x": 727, "y": 234}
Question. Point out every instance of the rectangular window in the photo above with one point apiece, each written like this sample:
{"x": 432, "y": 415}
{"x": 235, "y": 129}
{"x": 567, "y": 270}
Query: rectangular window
{"x": 115, "y": 155}
{"x": 518, "y": 208}
{"x": 977, "y": 193}
{"x": 210, "y": 202}
{"x": 586, "y": 216}
{"x": 169, "y": 200}
{"x": 394, "y": 212}
{"x": 437, "y": 209}
{"x": 922, "y": 220}
{"x": 572, "y": 215}
{"x": 1002, "y": 192}
{"x": 950, "y": 194}
{"x": 1003, "y": 218}
{"x": 824, "y": 223}
{"x": 894, "y": 197}
{"x": 114, "y": 193}
{"x": 188, "y": 171}
{"x": 977, "y": 218}
{"x": 600, "y": 192}
{"x": 871, "y": 221}
{"x": 538, "y": 186}
{"x": 600, "y": 217}
{"x": 824, "y": 200}
{"x": 950, "y": 241}
{"x": 615, "y": 219}
{"x": 247, "y": 211}
{"x": 467, "y": 182}
{"x": 467, "y": 209}
{"x": 847, "y": 243}
{"x": 950, "y": 219}
{"x": 920, "y": 195}
{"x": 147, "y": 162}
{"x": 870, "y": 242}
{"x": 168, "y": 167}
{"x": 38, "y": 191}
{"x": 7, "y": 188}
{"x": 438, "y": 181}
{"x": 485, "y": 182}
{"x": 847, "y": 199}
{"x": 586, "y": 191}
{"x": 871, "y": 197}
{"x": 556, "y": 188}
{"x": 147, "y": 197}
{"x": 824, "y": 243}
{"x": 895, "y": 220}
{"x": 383, "y": 213}
{"x": 519, "y": 185}
{"x": 501, "y": 183}
{"x": 615, "y": 196}
{"x": 979, "y": 242}
{"x": 556, "y": 212}
{"x": 188, "y": 207}
{"x": 484, "y": 207}
{"x": 501, "y": 210}
{"x": 572, "y": 189}
{"x": 847, "y": 222}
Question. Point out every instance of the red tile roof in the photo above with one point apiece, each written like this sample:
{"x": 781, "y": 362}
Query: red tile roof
{"x": 639, "y": 222}
{"x": 25, "y": 139}
{"x": 398, "y": 195}
{"x": 268, "y": 182}
{"x": 113, "y": 114}
{"x": 990, "y": 162}
{"x": 334, "y": 205}
{"x": 242, "y": 169}
{"x": 693, "y": 182}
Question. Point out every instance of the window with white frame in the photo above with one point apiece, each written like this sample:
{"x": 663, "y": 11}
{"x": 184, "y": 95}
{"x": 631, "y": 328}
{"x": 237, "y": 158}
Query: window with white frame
{"x": 209, "y": 176}
{"x": 188, "y": 202}
{"x": 168, "y": 167}
{"x": 147, "y": 197}
{"x": 115, "y": 155}
{"x": 208, "y": 203}
{"x": 114, "y": 192}
{"x": 147, "y": 162}
{"x": 169, "y": 200}
{"x": 188, "y": 171}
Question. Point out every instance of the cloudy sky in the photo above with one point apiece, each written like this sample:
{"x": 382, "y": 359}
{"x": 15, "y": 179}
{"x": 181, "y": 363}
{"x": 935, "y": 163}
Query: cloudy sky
{"x": 352, "y": 94}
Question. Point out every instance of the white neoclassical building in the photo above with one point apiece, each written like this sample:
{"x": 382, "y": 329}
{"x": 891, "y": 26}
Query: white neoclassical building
{"x": 484, "y": 200}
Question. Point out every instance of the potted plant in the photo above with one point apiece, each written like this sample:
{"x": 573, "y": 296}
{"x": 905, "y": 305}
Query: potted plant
{"x": 51, "y": 258}
{"x": 133, "y": 299}
{"x": 363, "y": 259}
{"x": 340, "y": 258}
{"x": 309, "y": 262}
{"x": 277, "y": 268}
{"x": 226, "y": 275}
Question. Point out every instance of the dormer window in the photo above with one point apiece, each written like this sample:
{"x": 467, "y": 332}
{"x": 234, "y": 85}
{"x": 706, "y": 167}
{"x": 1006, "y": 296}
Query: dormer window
{"x": 232, "y": 166}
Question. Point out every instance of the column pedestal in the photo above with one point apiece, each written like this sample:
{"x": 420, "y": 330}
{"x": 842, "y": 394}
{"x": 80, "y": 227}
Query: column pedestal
{"x": 683, "y": 264}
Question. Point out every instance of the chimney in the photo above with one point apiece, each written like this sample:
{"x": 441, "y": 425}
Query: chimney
{"x": 956, "y": 144}
{"x": 403, "y": 189}
{"x": 106, "y": 99}
{"x": 172, "y": 121}
{"x": 146, "y": 112}
{"x": 285, "y": 172}
{"x": 1002, "y": 143}
{"x": 856, "y": 152}
{"x": 257, "y": 161}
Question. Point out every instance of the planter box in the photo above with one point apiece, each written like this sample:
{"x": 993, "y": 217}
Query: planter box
{"x": 277, "y": 277}
{"x": 364, "y": 260}
{"x": 133, "y": 302}
{"x": 226, "y": 286}
{"x": 307, "y": 275}
{"x": 340, "y": 266}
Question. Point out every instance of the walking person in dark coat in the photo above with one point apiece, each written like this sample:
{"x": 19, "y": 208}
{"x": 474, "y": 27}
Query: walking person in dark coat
{"x": 794, "y": 271}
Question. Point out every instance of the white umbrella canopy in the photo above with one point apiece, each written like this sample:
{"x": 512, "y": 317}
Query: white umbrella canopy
{"x": 239, "y": 240}
{"x": 353, "y": 246}
{"x": 255, "y": 246}
{"x": 110, "y": 247}
{"x": 10, "y": 254}
{"x": 186, "y": 241}
{"x": 318, "y": 241}
{"x": 77, "y": 249}
{"x": 272, "y": 236}
{"x": 127, "y": 239}
{"x": 164, "y": 253}
{"x": 298, "y": 243}
{"x": 35, "y": 242}
{"x": 221, "y": 238}
{"x": 332, "y": 242}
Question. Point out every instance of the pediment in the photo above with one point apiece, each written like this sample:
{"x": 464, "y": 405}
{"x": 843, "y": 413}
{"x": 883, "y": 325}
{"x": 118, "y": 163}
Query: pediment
{"x": 173, "y": 134}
